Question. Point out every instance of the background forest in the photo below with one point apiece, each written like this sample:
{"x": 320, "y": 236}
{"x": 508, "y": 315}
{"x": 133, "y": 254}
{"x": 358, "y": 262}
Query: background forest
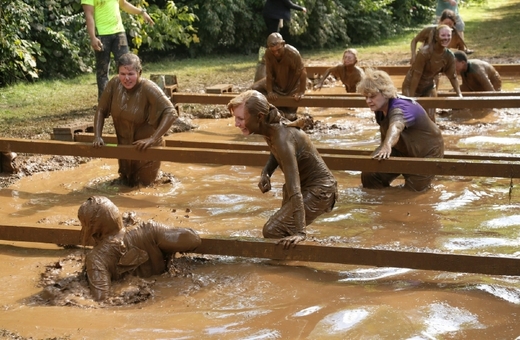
{"x": 48, "y": 39}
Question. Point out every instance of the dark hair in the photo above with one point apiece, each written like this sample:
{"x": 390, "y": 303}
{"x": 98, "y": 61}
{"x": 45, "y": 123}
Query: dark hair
{"x": 460, "y": 56}
{"x": 448, "y": 14}
{"x": 130, "y": 59}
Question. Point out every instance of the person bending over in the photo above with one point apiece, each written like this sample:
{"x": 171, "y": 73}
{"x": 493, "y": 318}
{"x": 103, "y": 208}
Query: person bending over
{"x": 310, "y": 189}
{"x": 405, "y": 128}
{"x": 141, "y": 251}
{"x": 285, "y": 73}
{"x": 477, "y": 75}
{"x": 348, "y": 72}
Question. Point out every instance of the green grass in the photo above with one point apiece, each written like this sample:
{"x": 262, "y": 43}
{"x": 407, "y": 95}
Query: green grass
{"x": 29, "y": 109}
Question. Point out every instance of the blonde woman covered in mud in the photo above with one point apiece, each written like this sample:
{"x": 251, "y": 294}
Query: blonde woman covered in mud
{"x": 118, "y": 252}
{"x": 406, "y": 131}
{"x": 310, "y": 188}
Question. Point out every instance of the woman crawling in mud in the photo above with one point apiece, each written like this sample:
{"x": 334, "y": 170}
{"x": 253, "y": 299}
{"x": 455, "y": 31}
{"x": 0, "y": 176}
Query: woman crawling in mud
{"x": 310, "y": 188}
{"x": 142, "y": 114}
{"x": 117, "y": 252}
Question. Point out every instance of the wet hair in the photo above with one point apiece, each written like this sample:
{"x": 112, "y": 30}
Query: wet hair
{"x": 460, "y": 56}
{"x": 448, "y": 14}
{"x": 255, "y": 103}
{"x": 352, "y": 51}
{"x": 130, "y": 59}
{"x": 274, "y": 39}
{"x": 438, "y": 30}
{"x": 376, "y": 81}
{"x": 99, "y": 218}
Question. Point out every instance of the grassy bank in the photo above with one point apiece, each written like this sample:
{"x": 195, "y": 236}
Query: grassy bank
{"x": 31, "y": 109}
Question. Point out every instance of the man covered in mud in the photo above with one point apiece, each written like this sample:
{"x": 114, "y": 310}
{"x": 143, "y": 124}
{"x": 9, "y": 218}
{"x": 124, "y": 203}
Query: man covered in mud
{"x": 477, "y": 75}
{"x": 141, "y": 251}
{"x": 285, "y": 73}
{"x": 141, "y": 113}
{"x": 406, "y": 131}
{"x": 310, "y": 189}
{"x": 347, "y": 72}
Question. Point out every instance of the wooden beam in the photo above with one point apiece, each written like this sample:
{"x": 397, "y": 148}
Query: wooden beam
{"x": 323, "y": 93}
{"x": 305, "y": 251}
{"x": 349, "y": 102}
{"x": 427, "y": 166}
{"x": 401, "y": 70}
{"x": 112, "y": 139}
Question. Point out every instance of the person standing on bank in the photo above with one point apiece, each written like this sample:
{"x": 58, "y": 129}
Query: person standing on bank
{"x": 405, "y": 128}
{"x": 276, "y": 11}
{"x": 141, "y": 113}
{"x": 310, "y": 188}
{"x": 107, "y": 33}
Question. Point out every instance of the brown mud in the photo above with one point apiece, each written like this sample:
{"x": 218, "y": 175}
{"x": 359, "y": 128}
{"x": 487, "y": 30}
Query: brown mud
{"x": 44, "y": 293}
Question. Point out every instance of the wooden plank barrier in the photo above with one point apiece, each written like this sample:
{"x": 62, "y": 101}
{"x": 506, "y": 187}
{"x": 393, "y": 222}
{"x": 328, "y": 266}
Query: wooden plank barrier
{"x": 401, "y": 70}
{"x": 304, "y": 251}
{"x": 350, "y": 102}
{"x": 112, "y": 139}
{"x": 433, "y": 166}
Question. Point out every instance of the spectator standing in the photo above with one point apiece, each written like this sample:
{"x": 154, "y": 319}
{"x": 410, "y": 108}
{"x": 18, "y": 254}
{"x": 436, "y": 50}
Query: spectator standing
{"x": 107, "y": 33}
{"x": 276, "y": 11}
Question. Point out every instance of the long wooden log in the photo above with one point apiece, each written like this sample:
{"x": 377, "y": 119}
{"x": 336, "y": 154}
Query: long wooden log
{"x": 350, "y": 102}
{"x": 323, "y": 93}
{"x": 305, "y": 251}
{"x": 112, "y": 139}
{"x": 401, "y": 70}
{"x": 427, "y": 166}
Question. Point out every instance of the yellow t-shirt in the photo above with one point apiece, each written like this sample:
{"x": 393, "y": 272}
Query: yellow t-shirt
{"x": 106, "y": 16}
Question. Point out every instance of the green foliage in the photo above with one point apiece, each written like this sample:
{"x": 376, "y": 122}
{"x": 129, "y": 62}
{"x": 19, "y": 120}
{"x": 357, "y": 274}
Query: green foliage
{"x": 227, "y": 25}
{"x": 322, "y": 26}
{"x": 173, "y": 26}
{"x": 17, "y": 51}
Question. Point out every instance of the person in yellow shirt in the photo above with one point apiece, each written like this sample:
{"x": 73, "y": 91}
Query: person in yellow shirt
{"x": 107, "y": 33}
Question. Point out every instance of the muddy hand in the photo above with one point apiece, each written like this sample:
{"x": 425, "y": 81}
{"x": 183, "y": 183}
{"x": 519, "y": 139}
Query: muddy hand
{"x": 98, "y": 142}
{"x": 291, "y": 241}
{"x": 272, "y": 96}
{"x": 264, "y": 184}
{"x": 384, "y": 153}
{"x": 143, "y": 144}
{"x": 298, "y": 96}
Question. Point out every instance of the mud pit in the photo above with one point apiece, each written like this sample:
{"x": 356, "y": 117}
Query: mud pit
{"x": 45, "y": 296}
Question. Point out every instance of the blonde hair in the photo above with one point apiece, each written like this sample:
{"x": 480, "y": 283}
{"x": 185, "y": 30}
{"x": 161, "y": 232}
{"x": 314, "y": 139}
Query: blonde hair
{"x": 99, "y": 218}
{"x": 352, "y": 51}
{"x": 376, "y": 81}
{"x": 255, "y": 103}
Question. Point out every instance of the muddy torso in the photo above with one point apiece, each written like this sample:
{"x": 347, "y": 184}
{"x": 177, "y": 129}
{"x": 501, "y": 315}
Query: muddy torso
{"x": 427, "y": 65}
{"x": 480, "y": 76}
{"x": 285, "y": 73}
{"x": 420, "y": 138}
{"x": 137, "y": 112}
{"x": 350, "y": 76}
{"x": 311, "y": 169}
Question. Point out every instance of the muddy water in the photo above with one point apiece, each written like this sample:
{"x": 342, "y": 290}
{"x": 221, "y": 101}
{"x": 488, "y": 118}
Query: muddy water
{"x": 233, "y": 298}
